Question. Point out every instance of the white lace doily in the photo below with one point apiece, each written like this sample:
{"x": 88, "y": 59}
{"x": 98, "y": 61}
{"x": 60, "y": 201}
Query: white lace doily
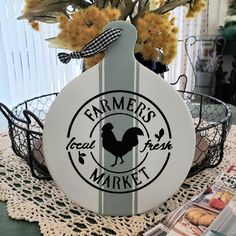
{"x": 38, "y": 201}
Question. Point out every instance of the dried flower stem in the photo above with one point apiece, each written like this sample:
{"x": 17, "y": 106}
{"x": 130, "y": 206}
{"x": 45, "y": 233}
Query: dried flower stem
{"x": 170, "y": 5}
{"x": 128, "y": 9}
{"x": 141, "y": 4}
{"x": 115, "y": 3}
{"x": 143, "y": 9}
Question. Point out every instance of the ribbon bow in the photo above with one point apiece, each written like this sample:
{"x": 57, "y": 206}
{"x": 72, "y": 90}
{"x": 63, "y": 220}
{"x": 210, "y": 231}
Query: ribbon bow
{"x": 97, "y": 45}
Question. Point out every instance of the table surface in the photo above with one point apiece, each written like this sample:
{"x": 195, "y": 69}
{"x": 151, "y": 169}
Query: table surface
{"x": 10, "y": 227}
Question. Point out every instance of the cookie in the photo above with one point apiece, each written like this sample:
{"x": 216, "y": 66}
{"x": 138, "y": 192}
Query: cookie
{"x": 206, "y": 219}
{"x": 194, "y": 215}
{"x": 224, "y": 196}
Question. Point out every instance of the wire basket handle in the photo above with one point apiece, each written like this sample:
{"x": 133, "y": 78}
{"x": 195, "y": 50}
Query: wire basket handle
{"x": 181, "y": 79}
{"x": 30, "y": 115}
{"x": 9, "y": 115}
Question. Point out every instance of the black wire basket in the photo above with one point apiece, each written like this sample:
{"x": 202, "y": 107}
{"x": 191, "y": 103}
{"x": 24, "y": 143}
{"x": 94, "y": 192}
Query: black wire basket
{"x": 212, "y": 119}
{"x": 25, "y": 123}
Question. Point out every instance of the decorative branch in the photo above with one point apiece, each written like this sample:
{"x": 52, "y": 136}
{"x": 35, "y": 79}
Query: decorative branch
{"x": 141, "y": 13}
{"x": 115, "y": 3}
{"x": 100, "y": 3}
{"x": 48, "y": 10}
{"x": 82, "y": 4}
{"x": 129, "y": 8}
{"x": 171, "y": 5}
{"x": 141, "y": 5}
{"x": 38, "y": 17}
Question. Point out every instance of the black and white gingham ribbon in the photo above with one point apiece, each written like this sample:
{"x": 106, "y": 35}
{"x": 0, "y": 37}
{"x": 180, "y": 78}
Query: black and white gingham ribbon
{"x": 97, "y": 45}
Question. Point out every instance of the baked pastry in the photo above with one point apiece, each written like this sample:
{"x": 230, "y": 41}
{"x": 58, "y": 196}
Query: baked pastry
{"x": 207, "y": 219}
{"x": 224, "y": 196}
{"x": 198, "y": 216}
{"x": 220, "y": 200}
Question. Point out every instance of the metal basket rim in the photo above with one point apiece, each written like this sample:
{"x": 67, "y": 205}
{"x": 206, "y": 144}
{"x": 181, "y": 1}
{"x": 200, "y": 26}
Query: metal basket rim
{"x": 228, "y": 112}
{"x": 24, "y": 103}
{"x": 221, "y": 121}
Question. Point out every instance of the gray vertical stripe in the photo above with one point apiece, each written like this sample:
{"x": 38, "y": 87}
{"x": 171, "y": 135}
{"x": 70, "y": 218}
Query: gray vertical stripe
{"x": 136, "y": 125}
{"x": 119, "y": 74}
{"x": 100, "y": 197}
{"x": 122, "y": 202}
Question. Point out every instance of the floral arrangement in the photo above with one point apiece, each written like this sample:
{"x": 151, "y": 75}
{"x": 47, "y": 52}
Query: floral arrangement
{"x": 80, "y": 21}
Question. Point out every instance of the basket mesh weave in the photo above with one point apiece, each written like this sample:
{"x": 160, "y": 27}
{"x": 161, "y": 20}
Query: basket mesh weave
{"x": 212, "y": 119}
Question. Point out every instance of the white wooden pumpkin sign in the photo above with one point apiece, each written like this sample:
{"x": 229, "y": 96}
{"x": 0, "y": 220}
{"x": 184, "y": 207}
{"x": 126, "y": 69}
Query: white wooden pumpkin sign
{"x": 118, "y": 139}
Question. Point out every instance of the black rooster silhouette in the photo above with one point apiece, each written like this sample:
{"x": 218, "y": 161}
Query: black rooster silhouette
{"x": 119, "y": 148}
